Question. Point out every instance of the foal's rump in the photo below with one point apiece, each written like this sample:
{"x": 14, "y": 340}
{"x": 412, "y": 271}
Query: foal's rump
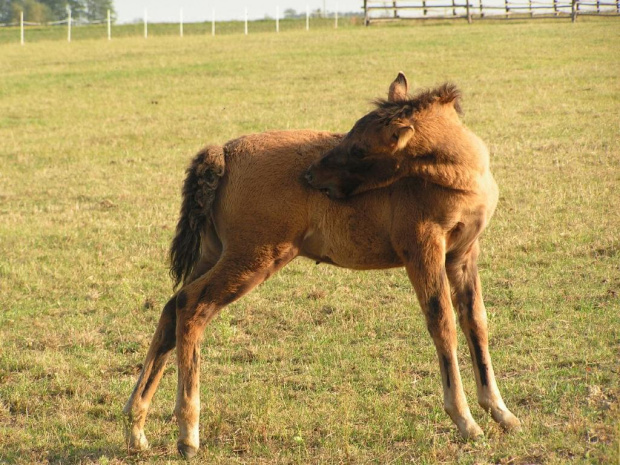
{"x": 279, "y": 158}
{"x": 263, "y": 192}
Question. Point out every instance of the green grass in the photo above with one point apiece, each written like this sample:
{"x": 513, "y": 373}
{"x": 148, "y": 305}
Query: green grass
{"x": 318, "y": 365}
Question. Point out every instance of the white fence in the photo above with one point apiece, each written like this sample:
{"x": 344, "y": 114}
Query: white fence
{"x": 70, "y": 23}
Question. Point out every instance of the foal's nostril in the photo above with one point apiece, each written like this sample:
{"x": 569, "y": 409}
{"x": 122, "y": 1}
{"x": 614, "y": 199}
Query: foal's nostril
{"x": 309, "y": 176}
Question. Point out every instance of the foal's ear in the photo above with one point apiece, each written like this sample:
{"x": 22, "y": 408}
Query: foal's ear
{"x": 398, "y": 89}
{"x": 402, "y": 134}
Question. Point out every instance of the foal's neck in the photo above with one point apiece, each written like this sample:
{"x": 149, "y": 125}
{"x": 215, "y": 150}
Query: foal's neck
{"x": 459, "y": 161}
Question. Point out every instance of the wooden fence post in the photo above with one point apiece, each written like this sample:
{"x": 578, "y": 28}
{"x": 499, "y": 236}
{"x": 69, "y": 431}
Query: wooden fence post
{"x": 468, "y": 13}
{"x": 424, "y": 5}
{"x": 555, "y": 7}
{"x": 481, "y": 8}
{"x": 507, "y": 9}
{"x": 573, "y": 15}
{"x": 395, "y": 12}
{"x": 453, "y": 8}
{"x": 366, "y": 20}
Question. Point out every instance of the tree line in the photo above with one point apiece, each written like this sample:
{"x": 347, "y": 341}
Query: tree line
{"x": 45, "y": 11}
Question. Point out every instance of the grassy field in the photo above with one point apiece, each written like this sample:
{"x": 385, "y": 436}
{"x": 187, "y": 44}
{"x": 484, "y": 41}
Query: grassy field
{"x": 318, "y": 365}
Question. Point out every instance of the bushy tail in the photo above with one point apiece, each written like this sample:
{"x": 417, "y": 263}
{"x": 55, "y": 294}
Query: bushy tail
{"x": 203, "y": 176}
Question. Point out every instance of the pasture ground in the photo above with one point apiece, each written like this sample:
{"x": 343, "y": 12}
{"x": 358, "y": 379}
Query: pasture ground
{"x": 318, "y": 365}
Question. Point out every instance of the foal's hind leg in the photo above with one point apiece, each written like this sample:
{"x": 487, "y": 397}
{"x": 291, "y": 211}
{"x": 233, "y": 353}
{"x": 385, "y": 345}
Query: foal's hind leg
{"x": 425, "y": 266}
{"x": 467, "y": 299}
{"x": 138, "y": 404}
{"x": 197, "y": 304}
{"x": 162, "y": 344}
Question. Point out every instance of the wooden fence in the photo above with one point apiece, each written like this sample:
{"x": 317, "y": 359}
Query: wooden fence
{"x": 479, "y": 9}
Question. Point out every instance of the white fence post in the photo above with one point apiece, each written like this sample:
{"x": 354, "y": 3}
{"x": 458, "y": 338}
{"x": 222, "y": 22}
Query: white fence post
{"x": 21, "y": 27}
{"x": 181, "y": 22}
{"x": 109, "y": 27}
{"x": 246, "y": 21}
{"x": 307, "y": 18}
{"x": 213, "y": 22}
{"x": 69, "y": 25}
{"x": 277, "y": 19}
{"x": 146, "y": 27}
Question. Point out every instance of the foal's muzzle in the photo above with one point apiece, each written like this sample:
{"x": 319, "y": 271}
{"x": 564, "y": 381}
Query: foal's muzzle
{"x": 329, "y": 190}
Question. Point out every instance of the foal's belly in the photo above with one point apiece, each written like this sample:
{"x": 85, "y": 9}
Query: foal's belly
{"x": 348, "y": 236}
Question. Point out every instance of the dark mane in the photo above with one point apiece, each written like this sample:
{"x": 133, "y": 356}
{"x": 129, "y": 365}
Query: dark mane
{"x": 386, "y": 111}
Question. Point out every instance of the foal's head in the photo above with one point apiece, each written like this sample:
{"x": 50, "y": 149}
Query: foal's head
{"x": 375, "y": 151}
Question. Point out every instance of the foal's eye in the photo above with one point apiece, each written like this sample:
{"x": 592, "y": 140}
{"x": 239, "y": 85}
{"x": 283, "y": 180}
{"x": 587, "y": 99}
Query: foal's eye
{"x": 395, "y": 137}
{"x": 357, "y": 152}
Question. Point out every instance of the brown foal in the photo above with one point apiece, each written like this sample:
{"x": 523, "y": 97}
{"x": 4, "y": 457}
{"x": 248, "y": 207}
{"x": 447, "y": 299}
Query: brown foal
{"x": 409, "y": 186}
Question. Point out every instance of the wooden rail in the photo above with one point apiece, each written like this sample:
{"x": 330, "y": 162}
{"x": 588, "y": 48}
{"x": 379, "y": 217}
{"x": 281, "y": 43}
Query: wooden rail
{"x": 479, "y": 9}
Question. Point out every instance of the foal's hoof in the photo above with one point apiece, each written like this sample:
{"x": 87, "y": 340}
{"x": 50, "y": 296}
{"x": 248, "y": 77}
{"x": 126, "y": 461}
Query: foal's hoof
{"x": 507, "y": 421}
{"x": 137, "y": 442}
{"x": 511, "y": 425}
{"x": 186, "y": 450}
{"x": 472, "y": 432}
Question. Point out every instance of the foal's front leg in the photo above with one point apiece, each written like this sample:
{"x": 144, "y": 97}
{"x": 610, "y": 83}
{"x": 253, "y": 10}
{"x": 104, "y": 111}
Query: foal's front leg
{"x": 428, "y": 276}
{"x": 467, "y": 298}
